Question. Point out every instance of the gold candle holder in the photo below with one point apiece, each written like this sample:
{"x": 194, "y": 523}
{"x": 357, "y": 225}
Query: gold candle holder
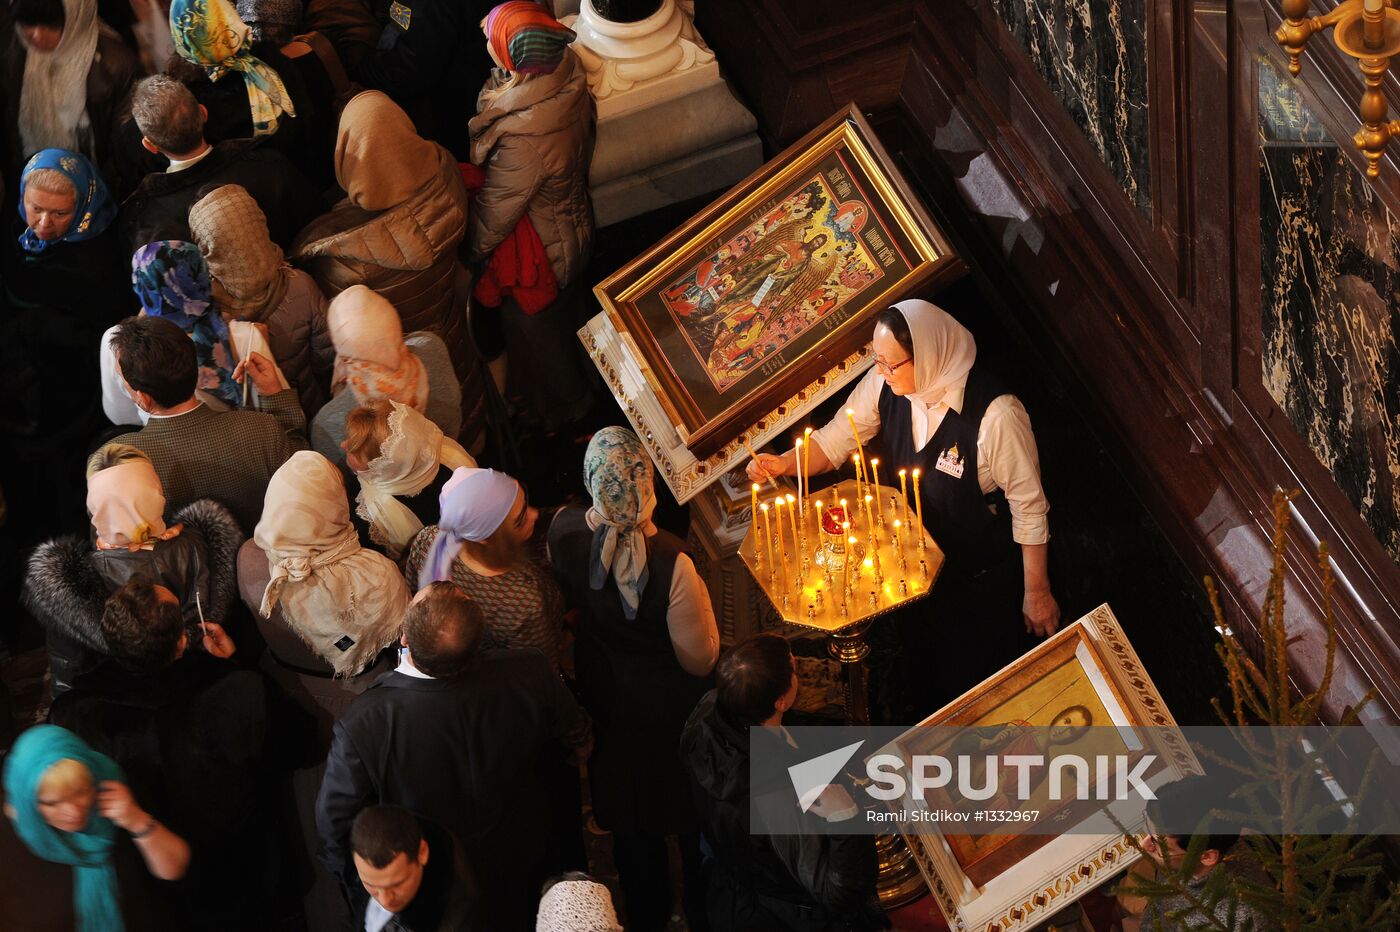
{"x": 838, "y": 596}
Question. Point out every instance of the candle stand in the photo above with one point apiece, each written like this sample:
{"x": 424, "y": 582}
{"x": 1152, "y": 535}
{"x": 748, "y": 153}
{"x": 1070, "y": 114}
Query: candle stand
{"x": 845, "y": 568}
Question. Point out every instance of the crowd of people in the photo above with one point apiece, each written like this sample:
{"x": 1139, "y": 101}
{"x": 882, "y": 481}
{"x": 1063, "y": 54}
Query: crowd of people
{"x": 275, "y": 270}
{"x": 283, "y": 276}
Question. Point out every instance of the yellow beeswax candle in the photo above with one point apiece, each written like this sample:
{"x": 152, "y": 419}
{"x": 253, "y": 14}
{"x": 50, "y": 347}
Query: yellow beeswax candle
{"x": 904, "y": 495}
{"x": 875, "y": 471}
{"x": 919, "y": 507}
{"x": 767, "y": 537}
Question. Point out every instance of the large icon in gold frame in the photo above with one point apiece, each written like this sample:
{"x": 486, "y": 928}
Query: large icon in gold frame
{"x": 777, "y": 282}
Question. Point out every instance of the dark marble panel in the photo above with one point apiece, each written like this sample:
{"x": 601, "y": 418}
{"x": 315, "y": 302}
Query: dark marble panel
{"x": 1330, "y": 305}
{"x": 1093, "y": 54}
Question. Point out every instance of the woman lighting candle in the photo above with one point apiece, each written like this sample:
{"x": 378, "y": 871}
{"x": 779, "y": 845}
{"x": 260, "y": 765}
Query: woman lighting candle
{"x": 935, "y": 408}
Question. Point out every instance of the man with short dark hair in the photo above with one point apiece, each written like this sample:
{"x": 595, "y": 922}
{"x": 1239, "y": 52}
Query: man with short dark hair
{"x": 462, "y": 749}
{"x": 145, "y": 629}
{"x": 795, "y": 878}
{"x": 413, "y": 875}
{"x": 172, "y": 125}
{"x": 228, "y": 456}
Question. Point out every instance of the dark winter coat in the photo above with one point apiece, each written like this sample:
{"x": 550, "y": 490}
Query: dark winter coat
{"x": 67, "y": 582}
{"x": 762, "y": 881}
{"x": 159, "y": 208}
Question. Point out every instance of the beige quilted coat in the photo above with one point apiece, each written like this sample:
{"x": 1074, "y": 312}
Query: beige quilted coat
{"x": 535, "y": 142}
{"x": 397, "y": 232}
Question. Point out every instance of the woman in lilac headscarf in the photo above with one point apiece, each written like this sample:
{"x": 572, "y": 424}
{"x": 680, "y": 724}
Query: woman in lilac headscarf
{"x": 482, "y": 543}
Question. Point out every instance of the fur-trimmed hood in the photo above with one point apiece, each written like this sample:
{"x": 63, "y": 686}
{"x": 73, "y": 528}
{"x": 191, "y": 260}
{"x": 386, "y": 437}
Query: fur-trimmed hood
{"x": 67, "y": 582}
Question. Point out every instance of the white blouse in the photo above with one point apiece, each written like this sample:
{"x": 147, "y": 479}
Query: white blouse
{"x": 1006, "y": 452}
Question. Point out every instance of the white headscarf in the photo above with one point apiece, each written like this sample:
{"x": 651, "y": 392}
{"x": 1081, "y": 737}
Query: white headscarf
{"x": 944, "y": 351}
{"x": 407, "y": 463}
{"x": 347, "y": 603}
{"x": 577, "y": 906}
{"x": 53, "y": 99}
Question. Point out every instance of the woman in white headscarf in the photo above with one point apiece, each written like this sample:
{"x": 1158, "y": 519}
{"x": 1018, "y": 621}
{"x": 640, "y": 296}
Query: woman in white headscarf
{"x": 374, "y": 359}
{"x": 932, "y": 408}
{"x": 402, "y": 460}
{"x": 645, "y": 644}
{"x": 66, "y": 75}
{"x": 345, "y": 602}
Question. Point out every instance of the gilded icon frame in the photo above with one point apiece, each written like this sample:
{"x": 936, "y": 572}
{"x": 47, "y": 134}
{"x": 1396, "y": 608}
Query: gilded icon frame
{"x": 769, "y": 337}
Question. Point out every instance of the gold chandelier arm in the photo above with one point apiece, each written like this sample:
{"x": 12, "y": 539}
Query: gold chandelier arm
{"x": 1297, "y": 27}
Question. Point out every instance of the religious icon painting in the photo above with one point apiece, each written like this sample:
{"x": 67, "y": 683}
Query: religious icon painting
{"x": 1081, "y": 692}
{"x": 776, "y": 282}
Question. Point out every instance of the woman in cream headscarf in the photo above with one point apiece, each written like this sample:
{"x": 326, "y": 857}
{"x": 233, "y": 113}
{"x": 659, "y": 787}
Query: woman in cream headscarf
{"x": 934, "y": 409}
{"x": 65, "y": 74}
{"x": 645, "y": 644}
{"x": 398, "y": 456}
{"x": 251, "y": 280}
{"x": 397, "y": 232}
{"x": 373, "y": 359}
{"x": 345, "y": 602}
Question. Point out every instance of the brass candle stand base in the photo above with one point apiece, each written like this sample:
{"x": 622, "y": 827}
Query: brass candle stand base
{"x": 898, "y": 881}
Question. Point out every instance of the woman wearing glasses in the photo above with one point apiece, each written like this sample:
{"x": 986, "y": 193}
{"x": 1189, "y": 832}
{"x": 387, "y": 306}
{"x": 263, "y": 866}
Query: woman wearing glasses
{"x": 927, "y": 405}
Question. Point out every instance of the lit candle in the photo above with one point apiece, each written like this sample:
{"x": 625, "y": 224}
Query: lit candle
{"x": 874, "y": 540}
{"x": 875, "y": 471}
{"x": 850, "y": 555}
{"x": 753, "y": 511}
{"x": 797, "y": 465}
{"x": 904, "y": 494}
{"x": 860, "y": 471}
{"x": 919, "y": 509}
{"x": 807, "y": 465}
{"x": 796, "y": 540}
{"x": 767, "y": 537}
{"x": 845, "y": 512}
{"x": 782, "y": 548}
{"x": 899, "y": 542}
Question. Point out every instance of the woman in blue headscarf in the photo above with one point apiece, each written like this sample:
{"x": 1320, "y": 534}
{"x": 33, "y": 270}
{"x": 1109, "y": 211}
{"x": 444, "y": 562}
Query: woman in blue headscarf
{"x": 68, "y": 804}
{"x": 63, "y": 282}
{"x": 644, "y": 646}
{"x": 482, "y": 543}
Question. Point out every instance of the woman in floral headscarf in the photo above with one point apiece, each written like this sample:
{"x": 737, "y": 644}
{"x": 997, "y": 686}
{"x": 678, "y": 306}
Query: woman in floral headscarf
{"x": 209, "y": 34}
{"x": 645, "y": 645}
{"x": 171, "y": 279}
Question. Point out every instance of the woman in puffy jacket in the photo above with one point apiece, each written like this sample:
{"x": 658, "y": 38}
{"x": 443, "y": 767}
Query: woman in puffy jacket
{"x": 397, "y": 232}
{"x": 533, "y": 139}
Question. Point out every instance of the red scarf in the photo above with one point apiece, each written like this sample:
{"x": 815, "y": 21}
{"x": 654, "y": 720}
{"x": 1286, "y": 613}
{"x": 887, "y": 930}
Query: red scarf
{"x": 519, "y": 268}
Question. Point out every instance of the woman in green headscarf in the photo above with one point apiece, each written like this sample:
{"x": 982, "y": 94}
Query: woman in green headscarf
{"x": 67, "y": 803}
{"x": 645, "y": 645}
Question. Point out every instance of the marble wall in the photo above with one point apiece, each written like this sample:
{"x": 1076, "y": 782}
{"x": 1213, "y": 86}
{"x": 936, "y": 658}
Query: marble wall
{"x": 1330, "y": 304}
{"x": 1093, "y": 54}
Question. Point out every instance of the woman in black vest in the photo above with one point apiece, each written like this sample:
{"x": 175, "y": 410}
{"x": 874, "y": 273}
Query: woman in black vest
{"x": 645, "y": 646}
{"x": 932, "y": 408}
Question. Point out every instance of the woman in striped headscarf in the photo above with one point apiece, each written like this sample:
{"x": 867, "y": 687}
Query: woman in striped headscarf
{"x": 533, "y": 139}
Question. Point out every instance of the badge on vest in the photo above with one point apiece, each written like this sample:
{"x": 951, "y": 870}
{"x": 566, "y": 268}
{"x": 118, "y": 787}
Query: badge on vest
{"x": 950, "y": 462}
{"x": 401, "y": 15}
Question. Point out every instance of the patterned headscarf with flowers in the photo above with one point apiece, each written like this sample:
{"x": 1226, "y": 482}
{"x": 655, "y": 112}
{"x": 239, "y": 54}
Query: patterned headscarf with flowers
{"x": 172, "y": 280}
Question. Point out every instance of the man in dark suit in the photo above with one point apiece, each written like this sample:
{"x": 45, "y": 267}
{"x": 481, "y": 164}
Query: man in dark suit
{"x": 414, "y": 876}
{"x": 228, "y": 456}
{"x": 456, "y": 735}
{"x": 172, "y": 124}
